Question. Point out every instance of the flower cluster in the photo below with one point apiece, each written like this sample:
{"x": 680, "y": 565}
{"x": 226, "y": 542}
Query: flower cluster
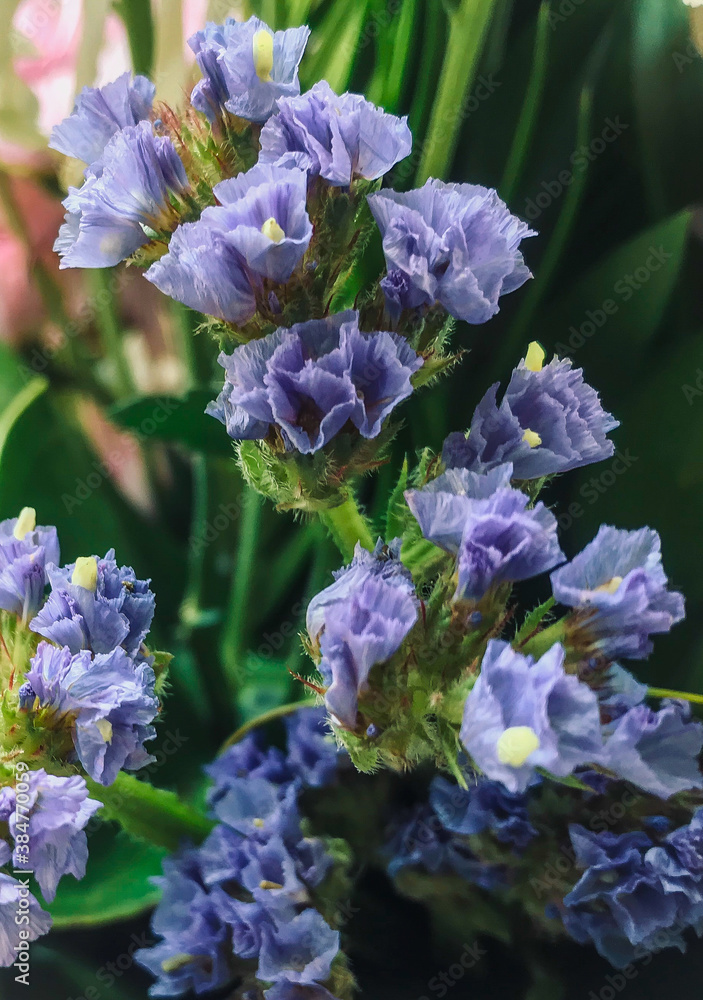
{"x": 251, "y": 902}
{"x": 79, "y": 699}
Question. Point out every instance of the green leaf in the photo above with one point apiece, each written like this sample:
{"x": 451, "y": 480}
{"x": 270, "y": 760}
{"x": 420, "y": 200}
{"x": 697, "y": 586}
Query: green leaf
{"x": 136, "y": 15}
{"x": 397, "y": 508}
{"x": 116, "y": 884}
{"x": 569, "y": 780}
{"x": 534, "y": 619}
{"x": 179, "y": 420}
{"x": 149, "y": 813}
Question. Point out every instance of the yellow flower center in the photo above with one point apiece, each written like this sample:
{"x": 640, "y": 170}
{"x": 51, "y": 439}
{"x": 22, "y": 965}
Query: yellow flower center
{"x": 262, "y": 45}
{"x": 85, "y": 573}
{"x": 532, "y": 438}
{"x": 611, "y": 586}
{"x": 26, "y": 522}
{"x": 534, "y": 359}
{"x": 516, "y": 744}
{"x": 271, "y": 229}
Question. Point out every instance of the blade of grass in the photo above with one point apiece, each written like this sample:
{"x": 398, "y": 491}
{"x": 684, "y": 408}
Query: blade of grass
{"x": 530, "y": 108}
{"x": 468, "y": 25}
{"x": 136, "y": 15}
{"x": 234, "y": 632}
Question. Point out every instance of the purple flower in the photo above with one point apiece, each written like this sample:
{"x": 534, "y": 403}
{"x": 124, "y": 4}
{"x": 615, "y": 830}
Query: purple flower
{"x": 195, "y": 953}
{"x": 678, "y": 862}
{"x": 25, "y": 550}
{"x": 657, "y": 751}
{"x": 300, "y": 950}
{"x": 125, "y": 197}
{"x": 260, "y": 231}
{"x": 620, "y": 691}
{"x": 99, "y": 112}
{"x": 618, "y": 588}
{"x": 549, "y": 421}
{"x": 313, "y": 379}
{"x": 523, "y": 714}
{"x": 484, "y": 805}
{"x": 54, "y": 813}
{"x": 456, "y": 244}
{"x": 367, "y": 613}
{"x": 96, "y": 604}
{"x": 488, "y": 526}
{"x": 252, "y": 804}
{"x": 14, "y": 895}
{"x": 106, "y": 701}
{"x": 339, "y": 137}
{"x": 619, "y": 902}
{"x": 312, "y": 752}
{"x": 246, "y": 67}
{"x": 246, "y": 760}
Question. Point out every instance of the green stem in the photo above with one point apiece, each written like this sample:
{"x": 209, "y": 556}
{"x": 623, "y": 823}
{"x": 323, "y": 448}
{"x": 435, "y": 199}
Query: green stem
{"x": 544, "y": 640}
{"x": 136, "y": 15}
{"x": 261, "y": 720}
{"x": 150, "y": 813}
{"x": 684, "y": 695}
{"x": 234, "y": 631}
{"x": 530, "y": 107}
{"x": 109, "y": 328}
{"x": 467, "y": 29}
{"x": 347, "y": 526}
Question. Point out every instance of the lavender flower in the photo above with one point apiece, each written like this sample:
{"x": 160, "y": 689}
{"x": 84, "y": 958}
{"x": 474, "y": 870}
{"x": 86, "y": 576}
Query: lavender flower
{"x": 484, "y": 805}
{"x": 125, "y": 197}
{"x": 313, "y": 379}
{"x": 55, "y": 810}
{"x": 366, "y": 616}
{"x": 107, "y": 702}
{"x": 618, "y": 588}
{"x": 312, "y": 753}
{"x": 549, "y": 421}
{"x": 658, "y": 751}
{"x": 488, "y": 526}
{"x": 554, "y": 724}
{"x": 99, "y": 113}
{"x": 260, "y": 230}
{"x": 619, "y": 903}
{"x": 96, "y": 604}
{"x": 456, "y": 244}
{"x": 16, "y": 900}
{"x": 25, "y": 550}
{"x": 678, "y": 862}
{"x": 246, "y": 67}
{"x": 337, "y": 137}
{"x": 299, "y": 951}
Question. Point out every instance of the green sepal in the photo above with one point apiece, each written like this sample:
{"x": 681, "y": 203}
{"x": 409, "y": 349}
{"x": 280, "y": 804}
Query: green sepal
{"x": 397, "y": 513}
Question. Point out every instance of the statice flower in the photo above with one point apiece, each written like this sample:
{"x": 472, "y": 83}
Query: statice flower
{"x": 336, "y": 137}
{"x": 361, "y": 623}
{"x": 553, "y": 724}
{"x": 619, "y": 691}
{"x": 246, "y": 67}
{"x": 55, "y": 810}
{"x": 260, "y": 230}
{"x": 16, "y": 900}
{"x": 549, "y": 421}
{"x": 25, "y": 550}
{"x": 618, "y": 588}
{"x": 312, "y": 752}
{"x": 483, "y": 806}
{"x": 619, "y": 903}
{"x": 658, "y": 751}
{"x": 247, "y": 891}
{"x": 96, "y": 604}
{"x": 124, "y": 199}
{"x": 107, "y": 702}
{"x": 456, "y": 244}
{"x": 99, "y": 113}
{"x": 488, "y": 526}
{"x": 313, "y": 380}
{"x": 678, "y": 862}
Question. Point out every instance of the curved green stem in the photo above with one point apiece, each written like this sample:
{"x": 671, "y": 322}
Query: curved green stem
{"x": 261, "y": 720}
{"x": 150, "y": 813}
{"x": 347, "y": 526}
{"x": 467, "y": 30}
{"x": 684, "y": 695}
